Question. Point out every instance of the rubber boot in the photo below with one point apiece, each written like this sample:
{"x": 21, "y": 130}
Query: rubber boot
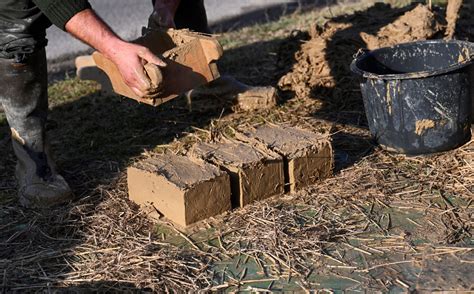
{"x": 25, "y": 102}
{"x": 191, "y": 14}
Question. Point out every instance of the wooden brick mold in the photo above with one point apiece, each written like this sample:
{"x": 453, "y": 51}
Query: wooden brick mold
{"x": 182, "y": 189}
{"x": 255, "y": 174}
{"x": 308, "y": 156}
{"x": 190, "y": 57}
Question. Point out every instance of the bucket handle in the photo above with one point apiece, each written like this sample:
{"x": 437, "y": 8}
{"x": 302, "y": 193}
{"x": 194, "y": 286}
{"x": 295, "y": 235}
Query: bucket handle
{"x": 361, "y": 52}
{"x": 357, "y": 56}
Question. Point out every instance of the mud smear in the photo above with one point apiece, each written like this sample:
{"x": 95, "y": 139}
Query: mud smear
{"x": 452, "y": 15}
{"x": 423, "y": 125}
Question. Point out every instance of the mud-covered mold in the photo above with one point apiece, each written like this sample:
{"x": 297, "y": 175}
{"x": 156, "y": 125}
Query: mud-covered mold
{"x": 184, "y": 190}
{"x": 255, "y": 174}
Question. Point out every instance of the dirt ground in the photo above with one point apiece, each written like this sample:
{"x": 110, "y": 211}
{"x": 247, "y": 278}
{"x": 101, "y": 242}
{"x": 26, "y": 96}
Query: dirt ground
{"x": 383, "y": 222}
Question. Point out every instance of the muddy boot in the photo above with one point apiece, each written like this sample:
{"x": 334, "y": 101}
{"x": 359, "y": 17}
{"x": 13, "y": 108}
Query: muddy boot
{"x": 231, "y": 92}
{"x": 191, "y": 14}
{"x": 24, "y": 99}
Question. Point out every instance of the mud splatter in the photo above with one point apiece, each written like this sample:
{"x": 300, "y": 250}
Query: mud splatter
{"x": 423, "y": 125}
{"x": 16, "y": 136}
{"x": 465, "y": 55}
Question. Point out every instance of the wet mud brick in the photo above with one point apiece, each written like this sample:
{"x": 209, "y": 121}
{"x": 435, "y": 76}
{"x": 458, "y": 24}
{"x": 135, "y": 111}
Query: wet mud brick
{"x": 190, "y": 57}
{"x": 308, "y": 156}
{"x": 86, "y": 69}
{"x": 184, "y": 190}
{"x": 255, "y": 174}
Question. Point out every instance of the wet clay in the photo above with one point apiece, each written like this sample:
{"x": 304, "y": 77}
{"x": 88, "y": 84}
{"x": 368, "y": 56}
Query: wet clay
{"x": 417, "y": 24}
{"x": 184, "y": 190}
{"x": 308, "y": 156}
{"x": 452, "y": 15}
{"x": 421, "y": 126}
{"x": 256, "y": 174}
{"x": 325, "y": 57}
{"x": 256, "y": 98}
{"x": 227, "y": 91}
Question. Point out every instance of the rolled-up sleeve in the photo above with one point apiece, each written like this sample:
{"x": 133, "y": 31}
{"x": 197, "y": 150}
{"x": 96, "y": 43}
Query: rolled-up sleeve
{"x": 60, "y": 12}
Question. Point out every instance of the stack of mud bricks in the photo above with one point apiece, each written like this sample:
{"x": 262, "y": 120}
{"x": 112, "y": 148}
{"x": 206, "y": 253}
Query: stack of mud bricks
{"x": 214, "y": 178}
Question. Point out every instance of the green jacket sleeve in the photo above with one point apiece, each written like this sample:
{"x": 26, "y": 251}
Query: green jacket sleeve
{"x": 60, "y": 12}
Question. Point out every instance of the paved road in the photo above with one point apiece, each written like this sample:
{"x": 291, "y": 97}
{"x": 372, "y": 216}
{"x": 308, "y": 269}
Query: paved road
{"x": 127, "y": 17}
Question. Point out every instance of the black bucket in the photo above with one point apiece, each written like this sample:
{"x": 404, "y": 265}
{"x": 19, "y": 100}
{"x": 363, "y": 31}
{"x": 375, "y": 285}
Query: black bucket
{"x": 417, "y": 96}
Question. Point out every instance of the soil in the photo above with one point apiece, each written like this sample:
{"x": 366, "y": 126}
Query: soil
{"x": 329, "y": 50}
{"x": 417, "y": 24}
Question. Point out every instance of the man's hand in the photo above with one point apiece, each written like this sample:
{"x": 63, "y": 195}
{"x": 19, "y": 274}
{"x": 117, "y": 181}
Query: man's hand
{"x": 129, "y": 58}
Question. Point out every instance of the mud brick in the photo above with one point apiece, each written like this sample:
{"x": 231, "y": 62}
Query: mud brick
{"x": 182, "y": 189}
{"x": 308, "y": 156}
{"x": 86, "y": 69}
{"x": 255, "y": 174}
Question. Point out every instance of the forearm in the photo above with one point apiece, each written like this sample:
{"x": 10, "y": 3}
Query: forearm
{"x": 88, "y": 27}
{"x": 59, "y": 12}
{"x": 128, "y": 57}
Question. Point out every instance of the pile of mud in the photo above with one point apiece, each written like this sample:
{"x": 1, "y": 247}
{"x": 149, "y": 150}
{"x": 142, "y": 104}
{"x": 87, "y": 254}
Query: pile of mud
{"x": 323, "y": 61}
{"x": 417, "y": 24}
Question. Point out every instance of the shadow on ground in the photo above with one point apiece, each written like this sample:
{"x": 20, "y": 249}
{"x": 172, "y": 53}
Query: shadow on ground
{"x": 268, "y": 14}
{"x": 95, "y": 138}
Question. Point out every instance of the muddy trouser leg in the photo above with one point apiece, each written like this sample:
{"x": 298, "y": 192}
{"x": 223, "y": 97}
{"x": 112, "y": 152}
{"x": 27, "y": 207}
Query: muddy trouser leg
{"x": 25, "y": 102}
{"x": 191, "y": 14}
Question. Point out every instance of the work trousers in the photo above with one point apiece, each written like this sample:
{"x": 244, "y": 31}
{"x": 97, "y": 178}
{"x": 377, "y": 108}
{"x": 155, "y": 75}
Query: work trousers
{"x": 191, "y": 14}
{"x": 22, "y": 29}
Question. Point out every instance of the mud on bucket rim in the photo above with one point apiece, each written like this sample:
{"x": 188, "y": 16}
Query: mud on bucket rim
{"x": 364, "y": 54}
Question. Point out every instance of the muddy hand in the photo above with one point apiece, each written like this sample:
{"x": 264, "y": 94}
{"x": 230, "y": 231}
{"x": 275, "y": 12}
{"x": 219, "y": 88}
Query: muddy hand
{"x": 130, "y": 60}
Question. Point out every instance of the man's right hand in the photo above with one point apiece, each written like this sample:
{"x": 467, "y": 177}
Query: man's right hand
{"x": 129, "y": 58}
